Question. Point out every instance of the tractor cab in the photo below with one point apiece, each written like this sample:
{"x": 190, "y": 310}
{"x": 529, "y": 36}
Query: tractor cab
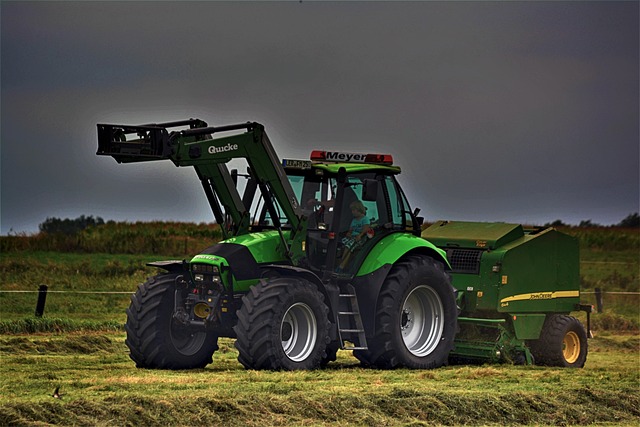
{"x": 351, "y": 202}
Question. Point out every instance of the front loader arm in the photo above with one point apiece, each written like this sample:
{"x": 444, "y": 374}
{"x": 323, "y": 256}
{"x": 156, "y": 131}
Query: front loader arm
{"x": 226, "y": 195}
{"x": 196, "y": 147}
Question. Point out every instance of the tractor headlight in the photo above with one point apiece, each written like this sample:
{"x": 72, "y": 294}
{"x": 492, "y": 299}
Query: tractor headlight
{"x": 206, "y": 273}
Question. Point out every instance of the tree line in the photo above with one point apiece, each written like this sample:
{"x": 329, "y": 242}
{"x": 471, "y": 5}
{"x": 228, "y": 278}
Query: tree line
{"x": 74, "y": 226}
{"x": 630, "y": 221}
{"x": 69, "y": 226}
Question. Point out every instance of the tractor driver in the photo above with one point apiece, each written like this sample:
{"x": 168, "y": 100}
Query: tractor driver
{"x": 353, "y": 240}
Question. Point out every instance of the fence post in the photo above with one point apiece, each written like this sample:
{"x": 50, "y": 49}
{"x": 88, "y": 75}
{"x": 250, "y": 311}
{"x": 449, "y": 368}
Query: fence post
{"x": 42, "y": 299}
{"x": 599, "y": 300}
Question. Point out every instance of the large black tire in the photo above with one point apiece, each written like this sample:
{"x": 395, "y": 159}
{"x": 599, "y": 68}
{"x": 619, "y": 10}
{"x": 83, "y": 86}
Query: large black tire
{"x": 155, "y": 339}
{"x": 416, "y": 317}
{"x": 562, "y": 342}
{"x": 283, "y": 324}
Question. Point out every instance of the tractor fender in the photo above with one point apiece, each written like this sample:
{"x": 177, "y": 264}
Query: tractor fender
{"x": 379, "y": 262}
{"x": 394, "y": 246}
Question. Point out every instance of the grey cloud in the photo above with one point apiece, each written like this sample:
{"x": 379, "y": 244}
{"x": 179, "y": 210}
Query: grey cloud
{"x": 514, "y": 111}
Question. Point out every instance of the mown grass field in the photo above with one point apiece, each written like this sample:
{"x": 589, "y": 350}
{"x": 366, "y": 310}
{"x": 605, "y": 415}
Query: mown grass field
{"x": 100, "y": 386}
{"x": 79, "y": 346}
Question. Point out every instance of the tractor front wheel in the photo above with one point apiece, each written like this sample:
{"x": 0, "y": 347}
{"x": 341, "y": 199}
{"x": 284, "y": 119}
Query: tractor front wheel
{"x": 155, "y": 339}
{"x": 416, "y": 317}
{"x": 562, "y": 342}
{"x": 283, "y": 324}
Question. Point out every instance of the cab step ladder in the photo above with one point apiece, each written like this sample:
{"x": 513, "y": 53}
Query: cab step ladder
{"x": 350, "y": 327}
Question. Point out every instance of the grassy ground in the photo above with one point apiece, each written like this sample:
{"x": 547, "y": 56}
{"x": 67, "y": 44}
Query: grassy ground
{"x": 101, "y": 387}
{"x": 77, "y": 282}
{"x": 79, "y": 347}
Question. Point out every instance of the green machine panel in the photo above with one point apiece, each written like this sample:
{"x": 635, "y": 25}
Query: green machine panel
{"x": 541, "y": 274}
{"x": 507, "y": 268}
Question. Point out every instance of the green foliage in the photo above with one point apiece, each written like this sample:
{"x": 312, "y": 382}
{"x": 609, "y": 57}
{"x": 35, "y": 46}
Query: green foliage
{"x": 631, "y": 221}
{"x": 606, "y": 238}
{"x": 557, "y": 223}
{"x": 166, "y": 238}
{"x": 180, "y": 239}
{"x": 609, "y": 260}
{"x": 73, "y": 280}
{"x": 69, "y": 226}
{"x": 610, "y": 270}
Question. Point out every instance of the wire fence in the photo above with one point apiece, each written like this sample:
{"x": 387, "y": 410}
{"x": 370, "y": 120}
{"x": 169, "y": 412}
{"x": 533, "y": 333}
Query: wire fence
{"x": 599, "y": 298}
{"x": 609, "y": 293}
{"x": 72, "y": 304}
{"x": 67, "y": 292}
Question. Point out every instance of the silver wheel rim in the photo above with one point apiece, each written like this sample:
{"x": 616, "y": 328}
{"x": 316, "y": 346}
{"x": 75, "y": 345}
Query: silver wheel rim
{"x": 421, "y": 321}
{"x": 298, "y": 332}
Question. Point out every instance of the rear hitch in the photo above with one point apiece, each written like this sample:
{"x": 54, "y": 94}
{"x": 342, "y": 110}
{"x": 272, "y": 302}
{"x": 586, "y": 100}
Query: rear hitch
{"x": 587, "y": 308}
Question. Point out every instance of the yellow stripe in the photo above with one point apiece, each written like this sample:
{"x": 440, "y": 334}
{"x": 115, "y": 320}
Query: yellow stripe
{"x": 542, "y": 296}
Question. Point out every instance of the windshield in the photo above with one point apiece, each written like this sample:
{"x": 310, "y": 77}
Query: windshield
{"x": 313, "y": 192}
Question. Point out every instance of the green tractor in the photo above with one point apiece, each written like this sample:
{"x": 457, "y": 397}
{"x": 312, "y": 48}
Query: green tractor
{"x": 326, "y": 254}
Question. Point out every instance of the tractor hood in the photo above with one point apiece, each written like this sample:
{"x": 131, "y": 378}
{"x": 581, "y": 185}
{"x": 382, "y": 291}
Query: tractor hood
{"x": 265, "y": 247}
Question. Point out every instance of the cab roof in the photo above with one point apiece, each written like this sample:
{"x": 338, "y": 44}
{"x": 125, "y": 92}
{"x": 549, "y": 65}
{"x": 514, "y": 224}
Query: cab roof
{"x": 355, "y": 167}
{"x": 333, "y": 161}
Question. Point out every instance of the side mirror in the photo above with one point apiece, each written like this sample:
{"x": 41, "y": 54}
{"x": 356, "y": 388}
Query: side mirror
{"x": 370, "y": 190}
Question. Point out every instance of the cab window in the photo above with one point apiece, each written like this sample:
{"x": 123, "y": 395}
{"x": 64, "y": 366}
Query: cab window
{"x": 400, "y": 210}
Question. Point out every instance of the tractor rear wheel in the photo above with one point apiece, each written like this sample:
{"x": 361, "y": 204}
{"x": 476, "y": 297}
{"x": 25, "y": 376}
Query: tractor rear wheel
{"x": 416, "y": 317}
{"x": 562, "y": 342}
{"x": 155, "y": 339}
{"x": 283, "y": 324}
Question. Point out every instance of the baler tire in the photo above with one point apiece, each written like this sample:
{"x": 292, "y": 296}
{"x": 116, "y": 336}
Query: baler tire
{"x": 562, "y": 343}
{"x": 417, "y": 293}
{"x": 155, "y": 339}
{"x": 283, "y": 324}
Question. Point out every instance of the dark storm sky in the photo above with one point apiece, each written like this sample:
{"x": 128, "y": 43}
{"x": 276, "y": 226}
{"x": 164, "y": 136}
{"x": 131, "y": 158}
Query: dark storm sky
{"x": 496, "y": 111}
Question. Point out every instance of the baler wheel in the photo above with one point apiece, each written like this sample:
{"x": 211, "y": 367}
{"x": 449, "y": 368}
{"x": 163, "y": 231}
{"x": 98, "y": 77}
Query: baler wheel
{"x": 283, "y": 324}
{"x": 562, "y": 342}
{"x": 416, "y": 317}
{"x": 571, "y": 347}
{"x": 155, "y": 339}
